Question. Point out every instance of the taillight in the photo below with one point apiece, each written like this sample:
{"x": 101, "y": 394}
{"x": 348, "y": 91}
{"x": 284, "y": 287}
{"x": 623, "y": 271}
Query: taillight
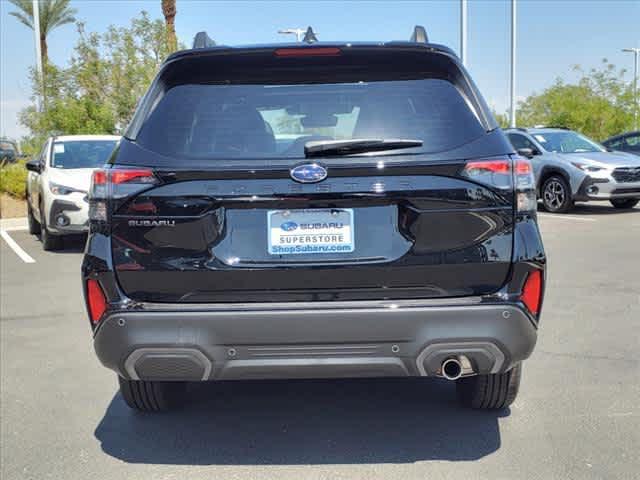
{"x": 532, "y": 292}
{"x": 308, "y": 52}
{"x": 115, "y": 184}
{"x": 492, "y": 172}
{"x": 96, "y": 300}
{"x": 526, "y": 197}
{"x": 503, "y": 174}
{"x": 133, "y": 175}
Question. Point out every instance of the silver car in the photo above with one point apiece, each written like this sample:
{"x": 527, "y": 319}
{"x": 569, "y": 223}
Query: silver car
{"x": 569, "y": 167}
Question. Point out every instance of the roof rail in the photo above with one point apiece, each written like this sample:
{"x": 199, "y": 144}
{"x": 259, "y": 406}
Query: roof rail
{"x": 419, "y": 35}
{"x": 202, "y": 40}
{"x": 552, "y": 126}
{"x": 310, "y": 36}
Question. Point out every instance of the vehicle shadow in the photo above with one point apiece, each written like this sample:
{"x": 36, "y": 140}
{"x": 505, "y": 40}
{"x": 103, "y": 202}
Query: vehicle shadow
{"x": 304, "y": 422}
{"x": 595, "y": 209}
{"x": 72, "y": 244}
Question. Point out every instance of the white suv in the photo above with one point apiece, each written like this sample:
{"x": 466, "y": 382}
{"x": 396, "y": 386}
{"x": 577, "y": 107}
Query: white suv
{"x": 58, "y": 182}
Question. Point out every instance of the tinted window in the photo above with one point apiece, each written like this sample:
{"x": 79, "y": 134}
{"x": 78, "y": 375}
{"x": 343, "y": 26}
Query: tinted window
{"x": 520, "y": 141}
{"x": 258, "y": 121}
{"x": 633, "y": 143}
{"x": 81, "y": 154}
{"x": 616, "y": 144}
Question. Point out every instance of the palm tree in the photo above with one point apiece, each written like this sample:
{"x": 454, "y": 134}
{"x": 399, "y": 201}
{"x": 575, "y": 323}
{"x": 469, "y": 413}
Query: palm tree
{"x": 169, "y": 12}
{"x": 53, "y": 14}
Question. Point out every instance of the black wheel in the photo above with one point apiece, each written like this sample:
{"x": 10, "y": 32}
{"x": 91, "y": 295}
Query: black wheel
{"x": 49, "y": 242}
{"x": 625, "y": 203}
{"x": 492, "y": 391}
{"x": 152, "y": 396}
{"x": 34, "y": 225}
{"x": 556, "y": 195}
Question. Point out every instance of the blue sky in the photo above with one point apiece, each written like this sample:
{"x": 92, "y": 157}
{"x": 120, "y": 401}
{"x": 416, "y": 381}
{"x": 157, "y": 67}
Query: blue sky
{"x": 553, "y": 35}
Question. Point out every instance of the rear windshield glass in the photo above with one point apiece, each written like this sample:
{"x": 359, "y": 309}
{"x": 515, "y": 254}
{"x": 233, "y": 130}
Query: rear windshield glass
{"x": 81, "y": 154}
{"x": 275, "y": 121}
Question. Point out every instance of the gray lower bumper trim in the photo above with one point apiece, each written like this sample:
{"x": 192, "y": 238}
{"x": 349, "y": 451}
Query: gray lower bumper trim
{"x": 307, "y": 343}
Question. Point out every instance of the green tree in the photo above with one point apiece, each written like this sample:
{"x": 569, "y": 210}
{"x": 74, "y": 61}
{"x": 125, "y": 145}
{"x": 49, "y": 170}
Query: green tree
{"x": 169, "y": 11}
{"x": 53, "y": 14}
{"x": 99, "y": 90}
{"x": 501, "y": 118}
{"x": 599, "y": 105}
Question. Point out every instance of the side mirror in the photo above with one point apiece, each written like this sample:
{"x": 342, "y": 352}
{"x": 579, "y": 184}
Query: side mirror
{"x": 34, "y": 166}
{"x": 526, "y": 152}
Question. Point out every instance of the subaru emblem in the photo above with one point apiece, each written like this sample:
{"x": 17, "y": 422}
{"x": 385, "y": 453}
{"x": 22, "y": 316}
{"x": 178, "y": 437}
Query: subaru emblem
{"x": 289, "y": 226}
{"x": 308, "y": 173}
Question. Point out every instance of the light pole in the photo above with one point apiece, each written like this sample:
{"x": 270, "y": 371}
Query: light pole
{"x": 463, "y": 32}
{"x": 298, "y": 32}
{"x": 636, "y": 52}
{"x": 36, "y": 36}
{"x": 512, "y": 112}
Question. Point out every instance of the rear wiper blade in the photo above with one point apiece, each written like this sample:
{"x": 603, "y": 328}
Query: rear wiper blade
{"x": 322, "y": 148}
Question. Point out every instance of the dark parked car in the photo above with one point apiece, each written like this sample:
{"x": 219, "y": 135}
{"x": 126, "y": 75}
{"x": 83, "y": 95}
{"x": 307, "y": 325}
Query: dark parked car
{"x": 314, "y": 210}
{"x": 626, "y": 142}
{"x": 8, "y": 151}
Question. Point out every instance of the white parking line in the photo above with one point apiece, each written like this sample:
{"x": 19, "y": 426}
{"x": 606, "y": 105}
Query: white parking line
{"x": 24, "y": 256}
{"x": 565, "y": 217}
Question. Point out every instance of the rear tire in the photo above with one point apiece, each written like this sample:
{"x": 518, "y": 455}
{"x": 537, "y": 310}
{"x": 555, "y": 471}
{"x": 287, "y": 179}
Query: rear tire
{"x": 556, "y": 195}
{"x": 34, "y": 225}
{"x": 146, "y": 396}
{"x": 490, "y": 392}
{"x": 49, "y": 242}
{"x": 626, "y": 203}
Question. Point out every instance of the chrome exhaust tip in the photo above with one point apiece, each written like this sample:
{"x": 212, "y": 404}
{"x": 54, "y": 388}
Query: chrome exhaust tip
{"x": 451, "y": 369}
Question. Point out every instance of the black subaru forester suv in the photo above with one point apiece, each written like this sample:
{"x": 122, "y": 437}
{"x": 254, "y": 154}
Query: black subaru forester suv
{"x": 314, "y": 210}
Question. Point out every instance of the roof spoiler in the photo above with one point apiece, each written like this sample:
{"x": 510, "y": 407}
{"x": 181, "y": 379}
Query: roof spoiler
{"x": 419, "y": 35}
{"x": 202, "y": 40}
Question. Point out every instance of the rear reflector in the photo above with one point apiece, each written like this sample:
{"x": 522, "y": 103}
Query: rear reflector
{"x": 532, "y": 292}
{"x": 308, "y": 52}
{"x": 96, "y": 300}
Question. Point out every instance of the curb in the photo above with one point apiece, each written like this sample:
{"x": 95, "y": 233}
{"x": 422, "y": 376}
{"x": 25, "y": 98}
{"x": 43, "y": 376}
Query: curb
{"x": 13, "y": 223}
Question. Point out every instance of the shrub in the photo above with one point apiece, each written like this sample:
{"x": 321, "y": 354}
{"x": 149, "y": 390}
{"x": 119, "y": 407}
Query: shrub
{"x": 13, "y": 178}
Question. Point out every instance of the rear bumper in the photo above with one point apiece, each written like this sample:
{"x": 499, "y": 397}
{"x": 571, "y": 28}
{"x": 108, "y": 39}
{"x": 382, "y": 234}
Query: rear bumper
{"x": 356, "y": 339}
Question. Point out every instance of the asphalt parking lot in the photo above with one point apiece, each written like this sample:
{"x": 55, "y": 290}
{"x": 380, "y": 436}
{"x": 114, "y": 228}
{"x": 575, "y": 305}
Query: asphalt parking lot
{"x": 577, "y": 416}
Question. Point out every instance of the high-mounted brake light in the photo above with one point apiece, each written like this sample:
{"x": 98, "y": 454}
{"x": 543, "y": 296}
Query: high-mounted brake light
{"x": 532, "y": 292}
{"x": 308, "y": 52}
{"x": 96, "y": 300}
